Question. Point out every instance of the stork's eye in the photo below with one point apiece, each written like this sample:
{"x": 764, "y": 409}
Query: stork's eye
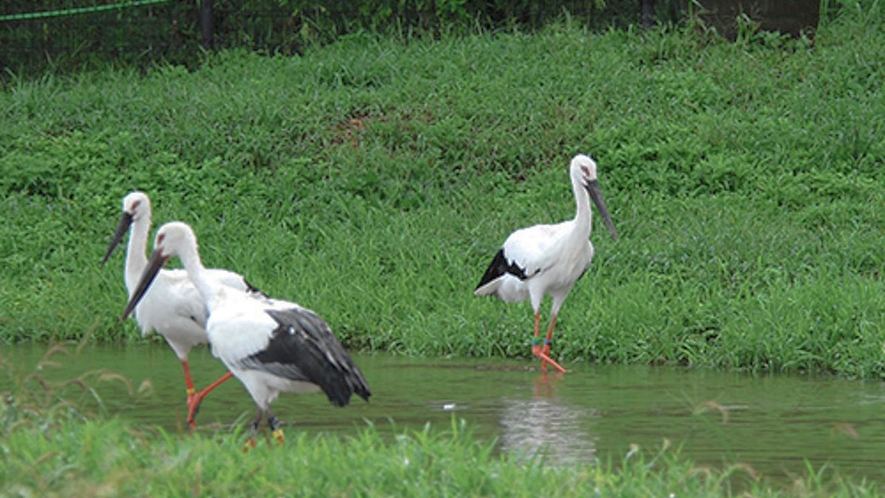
{"x": 585, "y": 170}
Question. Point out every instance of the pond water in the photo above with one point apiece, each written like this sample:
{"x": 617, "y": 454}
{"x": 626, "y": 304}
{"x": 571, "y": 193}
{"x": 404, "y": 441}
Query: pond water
{"x": 770, "y": 422}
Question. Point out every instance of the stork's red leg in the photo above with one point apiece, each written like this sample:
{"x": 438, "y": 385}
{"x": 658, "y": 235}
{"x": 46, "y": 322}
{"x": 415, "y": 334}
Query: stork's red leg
{"x": 546, "y": 359}
{"x": 275, "y": 429}
{"x": 250, "y": 443}
{"x": 543, "y": 352}
{"x": 193, "y": 402}
{"x": 536, "y": 344}
{"x": 546, "y": 348}
{"x": 189, "y": 384}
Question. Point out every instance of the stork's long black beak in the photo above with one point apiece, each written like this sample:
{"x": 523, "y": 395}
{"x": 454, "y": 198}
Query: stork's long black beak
{"x": 122, "y": 227}
{"x": 595, "y": 192}
{"x": 155, "y": 264}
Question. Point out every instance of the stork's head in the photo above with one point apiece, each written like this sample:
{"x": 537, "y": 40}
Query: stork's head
{"x": 172, "y": 239}
{"x": 583, "y": 172}
{"x": 583, "y": 169}
{"x": 136, "y": 206}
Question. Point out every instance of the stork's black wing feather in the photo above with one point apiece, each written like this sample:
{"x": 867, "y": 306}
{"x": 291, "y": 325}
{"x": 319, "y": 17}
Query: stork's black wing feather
{"x": 304, "y": 348}
{"x": 500, "y": 266}
{"x": 255, "y": 291}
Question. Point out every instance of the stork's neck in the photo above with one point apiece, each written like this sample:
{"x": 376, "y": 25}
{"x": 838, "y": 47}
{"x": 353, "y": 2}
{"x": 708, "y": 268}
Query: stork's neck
{"x": 198, "y": 274}
{"x": 583, "y": 215}
{"x": 136, "y": 260}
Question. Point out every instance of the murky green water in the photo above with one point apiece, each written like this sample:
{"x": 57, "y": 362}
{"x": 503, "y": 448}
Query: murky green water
{"x": 772, "y": 423}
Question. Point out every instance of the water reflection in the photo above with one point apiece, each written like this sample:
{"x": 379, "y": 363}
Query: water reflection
{"x": 547, "y": 426}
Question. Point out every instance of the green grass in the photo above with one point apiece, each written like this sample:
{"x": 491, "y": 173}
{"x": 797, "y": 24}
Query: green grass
{"x": 114, "y": 458}
{"x": 371, "y": 180}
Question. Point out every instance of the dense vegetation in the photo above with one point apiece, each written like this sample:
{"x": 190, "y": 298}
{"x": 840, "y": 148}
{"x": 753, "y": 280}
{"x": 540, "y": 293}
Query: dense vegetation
{"x": 70, "y": 35}
{"x": 372, "y": 179}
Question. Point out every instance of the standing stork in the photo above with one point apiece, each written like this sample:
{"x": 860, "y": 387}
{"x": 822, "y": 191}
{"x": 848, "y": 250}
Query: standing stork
{"x": 271, "y": 345}
{"x": 549, "y": 259}
{"x": 173, "y": 307}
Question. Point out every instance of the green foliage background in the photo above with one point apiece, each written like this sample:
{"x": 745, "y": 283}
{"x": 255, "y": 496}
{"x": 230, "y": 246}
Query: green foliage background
{"x": 371, "y": 179}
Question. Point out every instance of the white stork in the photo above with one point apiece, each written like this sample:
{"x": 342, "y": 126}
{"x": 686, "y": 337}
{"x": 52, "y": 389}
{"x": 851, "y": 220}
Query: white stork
{"x": 549, "y": 259}
{"x": 271, "y": 345}
{"x": 173, "y": 307}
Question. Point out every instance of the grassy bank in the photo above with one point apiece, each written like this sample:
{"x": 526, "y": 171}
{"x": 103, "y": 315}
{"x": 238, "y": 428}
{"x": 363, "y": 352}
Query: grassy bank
{"x": 371, "y": 180}
{"x": 114, "y": 458}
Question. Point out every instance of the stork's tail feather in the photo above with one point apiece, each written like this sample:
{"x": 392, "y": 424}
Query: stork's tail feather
{"x": 491, "y": 279}
{"x": 488, "y": 289}
{"x": 255, "y": 291}
{"x": 304, "y": 339}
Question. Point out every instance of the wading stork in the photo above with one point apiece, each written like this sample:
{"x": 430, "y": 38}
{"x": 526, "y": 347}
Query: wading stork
{"x": 549, "y": 259}
{"x": 173, "y": 307}
{"x": 271, "y": 345}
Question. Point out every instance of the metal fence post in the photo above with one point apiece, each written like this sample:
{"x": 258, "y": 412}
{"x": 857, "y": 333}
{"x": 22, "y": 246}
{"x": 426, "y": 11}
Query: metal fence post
{"x": 206, "y": 23}
{"x": 648, "y": 13}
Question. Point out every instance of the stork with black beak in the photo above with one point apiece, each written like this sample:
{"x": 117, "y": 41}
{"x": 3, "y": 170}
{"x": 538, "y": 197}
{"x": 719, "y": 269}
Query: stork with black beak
{"x": 272, "y": 346}
{"x": 173, "y": 306}
{"x": 549, "y": 259}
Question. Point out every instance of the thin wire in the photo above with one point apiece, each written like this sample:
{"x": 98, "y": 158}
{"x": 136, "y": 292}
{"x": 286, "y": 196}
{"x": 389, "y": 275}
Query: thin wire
{"x": 80, "y": 10}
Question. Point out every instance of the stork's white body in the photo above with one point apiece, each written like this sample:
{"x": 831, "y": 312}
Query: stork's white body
{"x": 239, "y": 328}
{"x": 553, "y": 258}
{"x": 548, "y": 259}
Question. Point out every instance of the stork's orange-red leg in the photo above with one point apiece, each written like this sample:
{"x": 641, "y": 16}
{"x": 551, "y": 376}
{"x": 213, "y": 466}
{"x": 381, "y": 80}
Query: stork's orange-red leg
{"x": 194, "y": 398}
{"x": 546, "y": 348}
{"x": 544, "y": 352}
{"x": 188, "y": 381}
{"x": 193, "y": 402}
